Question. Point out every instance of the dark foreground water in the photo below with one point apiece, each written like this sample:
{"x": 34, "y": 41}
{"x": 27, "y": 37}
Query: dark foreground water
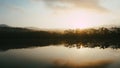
{"x": 60, "y": 56}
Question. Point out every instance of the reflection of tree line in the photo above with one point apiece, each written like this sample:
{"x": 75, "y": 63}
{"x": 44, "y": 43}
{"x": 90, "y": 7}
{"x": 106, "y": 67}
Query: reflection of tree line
{"x": 26, "y": 43}
{"x": 22, "y": 38}
{"x": 93, "y": 44}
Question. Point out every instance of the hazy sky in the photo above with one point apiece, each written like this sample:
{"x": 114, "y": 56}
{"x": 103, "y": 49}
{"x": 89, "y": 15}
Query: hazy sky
{"x": 59, "y": 13}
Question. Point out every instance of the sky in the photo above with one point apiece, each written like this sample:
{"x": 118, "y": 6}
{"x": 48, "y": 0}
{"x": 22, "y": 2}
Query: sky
{"x": 61, "y": 14}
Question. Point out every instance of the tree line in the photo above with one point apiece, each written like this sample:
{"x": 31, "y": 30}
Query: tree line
{"x": 23, "y": 33}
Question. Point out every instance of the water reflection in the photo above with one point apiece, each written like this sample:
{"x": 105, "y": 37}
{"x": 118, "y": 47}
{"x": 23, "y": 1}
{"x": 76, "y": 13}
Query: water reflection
{"x": 59, "y": 54}
{"x": 60, "y": 57}
{"x": 93, "y": 64}
{"x": 26, "y": 43}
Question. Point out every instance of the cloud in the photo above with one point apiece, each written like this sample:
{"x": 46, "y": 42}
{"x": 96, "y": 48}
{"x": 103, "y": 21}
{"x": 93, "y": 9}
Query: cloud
{"x": 84, "y": 4}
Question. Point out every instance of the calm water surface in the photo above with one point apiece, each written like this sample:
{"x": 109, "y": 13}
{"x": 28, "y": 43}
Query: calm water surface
{"x": 60, "y": 56}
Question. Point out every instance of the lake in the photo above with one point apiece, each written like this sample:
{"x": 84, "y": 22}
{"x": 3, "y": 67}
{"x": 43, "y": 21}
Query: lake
{"x": 60, "y": 56}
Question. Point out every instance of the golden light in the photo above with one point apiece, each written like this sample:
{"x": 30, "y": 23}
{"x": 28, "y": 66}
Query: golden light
{"x": 83, "y": 19}
{"x": 81, "y": 46}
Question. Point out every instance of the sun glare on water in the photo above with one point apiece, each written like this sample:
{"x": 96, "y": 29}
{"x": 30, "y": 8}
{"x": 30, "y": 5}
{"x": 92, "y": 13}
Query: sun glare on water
{"x": 81, "y": 46}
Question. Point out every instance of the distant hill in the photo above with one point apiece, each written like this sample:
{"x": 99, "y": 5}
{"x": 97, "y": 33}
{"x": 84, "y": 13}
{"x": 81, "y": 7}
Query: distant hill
{"x": 4, "y": 25}
{"x": 6, "y": 28}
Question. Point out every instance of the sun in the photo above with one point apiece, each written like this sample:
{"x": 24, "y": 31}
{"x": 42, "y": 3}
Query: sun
{"x": 83, "y": 19}
{"x": 82, "y": 25}
{"x": 79, "y": 19}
